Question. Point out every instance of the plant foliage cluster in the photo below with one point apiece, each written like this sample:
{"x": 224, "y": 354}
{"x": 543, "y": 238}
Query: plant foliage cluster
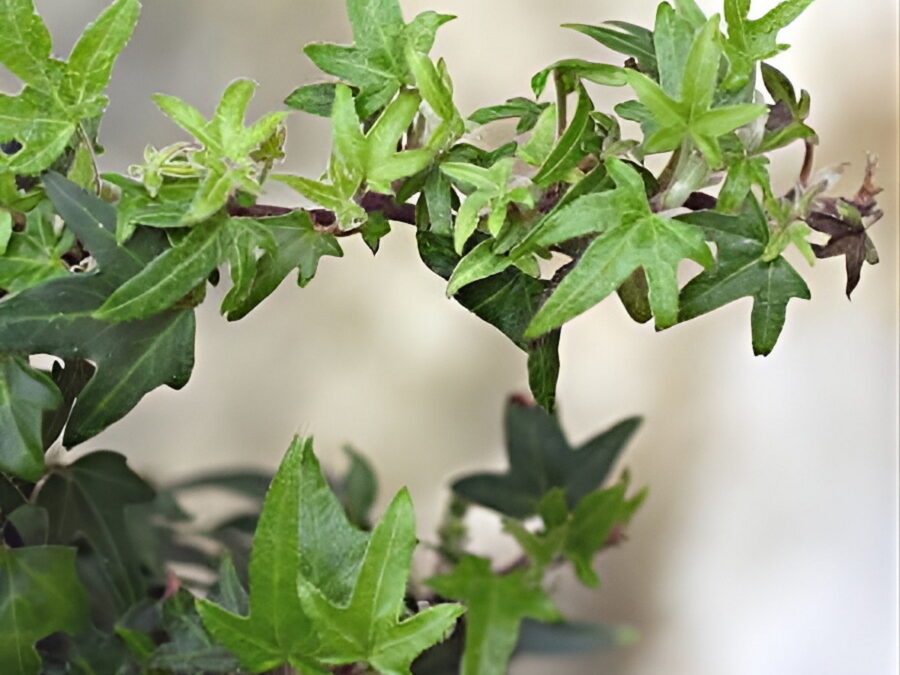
{"x": 101, "y": 573}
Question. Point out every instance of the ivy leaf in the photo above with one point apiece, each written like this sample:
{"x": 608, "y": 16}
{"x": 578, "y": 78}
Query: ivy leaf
{"x": 298, "y": 244}
{"x": 58, "y": 96}
{"x": 89, "y": 500}
{"x": 625, "y": 38}
{"x": 847, "y": 223}
{"x": 741, "y": 271}
{"x": 359, "y": 158}
{"x": 367, "y": 627}
{"x": 541, "y": 460}
{"x": 55, "y": 318}
{"x": 640, "y": 239}
{"x": 34, "y": 255}
{"x": 91, "y": 61}
{"x": 495, "y": 607}
{"x": 228, "y": 145}
{"x": 578, "y": 536}
{"x": 25, "y": 394}
{"x": 692, "y": 117}
{"x": 375, "y": 65}
{"x": 672, "y": 39}
{"x": 39, "y": 595}
{"x": 357, "y": 489}
{"x": 572, "y": 70}
{"x": 302, "y": 529}
{"x": 754, "y": 40}
{"x": 70, "y": 377}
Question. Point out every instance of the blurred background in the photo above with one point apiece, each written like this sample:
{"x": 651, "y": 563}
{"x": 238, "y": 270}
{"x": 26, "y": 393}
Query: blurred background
{"x": 769, "y": 542}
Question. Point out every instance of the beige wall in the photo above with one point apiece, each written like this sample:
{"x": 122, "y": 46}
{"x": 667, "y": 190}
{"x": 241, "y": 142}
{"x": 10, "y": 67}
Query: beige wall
{"x": 768, "y": 543}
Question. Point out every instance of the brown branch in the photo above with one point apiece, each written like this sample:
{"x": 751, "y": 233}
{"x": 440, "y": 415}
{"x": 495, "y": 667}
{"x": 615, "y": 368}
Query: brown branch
{"x": 372, "y": 202}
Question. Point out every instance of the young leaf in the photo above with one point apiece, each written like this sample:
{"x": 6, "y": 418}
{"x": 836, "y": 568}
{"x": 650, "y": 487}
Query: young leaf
{"x": 479, "y": 263}
{"x": 642, "y": 240}
{"x": 316, "y": 99}
{"x": 367, "y": 628}
{"x": 752, "y": 40}
{"x": 375, "y": 65}
{"x": 27, "y": 44}
{"x": 92, "y": 58}
{"x": 691, "y": 117}
{"x": 495, "y": 607}
{"x": 89, "y": 500}
{"x": 741, "y": 271}
{"x": 568, "y": 151}
{"x": 55, "y": 318}
{"x": 229, "y": 146}
{"x": 541, "y": 460}
{"x": 523, "y": 109}
{"x": 25, "y": 394}
{"x": 39, "y": 595}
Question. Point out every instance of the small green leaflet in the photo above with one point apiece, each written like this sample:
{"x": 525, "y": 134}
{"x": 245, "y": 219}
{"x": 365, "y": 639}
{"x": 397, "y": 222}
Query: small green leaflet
{"x": 25, "y": 394}
{"x": 577, "y": 536}
{"x": 57, "y": 95}
{"x": 55, "y": 318}
{"x": 495, "y": 607}
{"x": 303, "y": 529}
{"x": 89, "y": 500}
{"x": 752, "y": 40}
{"x": 228, "y": 145}
{"x": 359, "y": 158}
{"x": 316, "y": 99}
{"x": 39, "y": 595}
{"x": 692, "y": 117}
{"x": 641, "y": 239}
{"x": 375, "y": 65}
{"x": 370, "y": 626}
{"x": 741, "y": 271}
{"x": 787, "y": 119}
{"x": 572, "y": 70}
{"x": 541, "y": 460}
{"x": 34, "y": 255}
{"x": 492, "y": 192}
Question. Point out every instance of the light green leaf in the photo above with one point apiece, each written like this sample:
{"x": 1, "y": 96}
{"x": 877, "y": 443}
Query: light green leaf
{"x": 495, "y": 607}
{"x": 624, "y": 38}
{"x": 568, "y": 150}
{"x": 367, "y": 627}
{"x": 316, "y": 99}
{"x": 672, "y": 39}
{"x": 25, "y": 394}
{"x": 92, "y": 59}
{"x": 536, "y": 150}
{"x": 277, "y": 631}
{"x": 640, "y": 240}
{"x": 27, "y": 45}
{"x": 39, "y": 595}
{"x": 753, "y": 40}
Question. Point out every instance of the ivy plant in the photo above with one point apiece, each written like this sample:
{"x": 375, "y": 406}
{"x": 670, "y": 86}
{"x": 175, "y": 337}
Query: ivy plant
{"x": 103, "y": 572}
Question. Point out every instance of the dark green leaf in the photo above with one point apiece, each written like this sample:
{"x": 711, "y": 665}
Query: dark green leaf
{"x": 540, "y": 460}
